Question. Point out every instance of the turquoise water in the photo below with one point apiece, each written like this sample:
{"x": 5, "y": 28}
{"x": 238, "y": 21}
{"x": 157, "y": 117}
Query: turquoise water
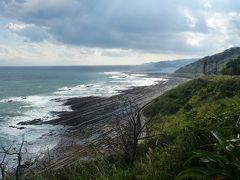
{"x": 28, "y": 93}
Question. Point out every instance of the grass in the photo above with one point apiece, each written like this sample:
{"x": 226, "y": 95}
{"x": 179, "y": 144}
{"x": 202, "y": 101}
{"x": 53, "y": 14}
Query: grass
{"x": 183, "y": 119}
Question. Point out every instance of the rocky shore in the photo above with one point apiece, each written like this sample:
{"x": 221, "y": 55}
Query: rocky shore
{"x": 92, "y": 119}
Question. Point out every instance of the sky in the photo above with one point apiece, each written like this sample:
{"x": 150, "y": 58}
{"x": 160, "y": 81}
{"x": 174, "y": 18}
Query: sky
{"x": 105, "y": 32}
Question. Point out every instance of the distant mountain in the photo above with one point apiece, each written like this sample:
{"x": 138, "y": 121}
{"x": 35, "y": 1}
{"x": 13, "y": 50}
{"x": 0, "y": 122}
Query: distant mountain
{"x": 210, "y": 64}
{"x": 164, "y": 66}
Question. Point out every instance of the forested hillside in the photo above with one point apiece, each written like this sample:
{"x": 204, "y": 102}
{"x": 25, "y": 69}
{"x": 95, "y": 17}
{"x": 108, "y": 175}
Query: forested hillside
{"x": 210, "y": 65}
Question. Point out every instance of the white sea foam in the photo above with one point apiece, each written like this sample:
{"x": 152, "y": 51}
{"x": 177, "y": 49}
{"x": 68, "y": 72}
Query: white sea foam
{"x": 35, "y": 107}
{"x": 120, "y": 81}
{"x": 43, "y": 106}
{"x": 111, "y": 73}
{"x": 133, "y": 80}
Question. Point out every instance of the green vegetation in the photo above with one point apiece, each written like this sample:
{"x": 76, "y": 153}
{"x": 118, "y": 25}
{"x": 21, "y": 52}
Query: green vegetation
{"x": 232, "y": 67}
{"x": 210, "y": 64}
{"x": 223, "y": 163}
{"x": 179, "y": 137}
{"x": 197, "y": 108}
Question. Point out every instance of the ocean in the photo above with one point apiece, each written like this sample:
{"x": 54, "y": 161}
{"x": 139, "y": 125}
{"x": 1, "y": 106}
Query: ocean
{"x": 28, "y": 93}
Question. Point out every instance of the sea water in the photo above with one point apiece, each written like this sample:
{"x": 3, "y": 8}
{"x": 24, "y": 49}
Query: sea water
{"x": 28, "y": 93}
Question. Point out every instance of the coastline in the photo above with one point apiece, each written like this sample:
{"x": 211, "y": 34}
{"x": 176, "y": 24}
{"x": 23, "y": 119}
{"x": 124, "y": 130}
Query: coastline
{"x": 91, "y": 121}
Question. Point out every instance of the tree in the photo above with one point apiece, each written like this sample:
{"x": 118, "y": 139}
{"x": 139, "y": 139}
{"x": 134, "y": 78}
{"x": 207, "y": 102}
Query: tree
{"x": 232, "y": 67}
{"x": 13, "y": 151}
{"x": 130, "y": 127}
{"x": 205, "y": 68}
{"x": 3, "y": 163}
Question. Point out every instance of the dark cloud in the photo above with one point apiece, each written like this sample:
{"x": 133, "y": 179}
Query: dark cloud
{"x": 155, "y": 25}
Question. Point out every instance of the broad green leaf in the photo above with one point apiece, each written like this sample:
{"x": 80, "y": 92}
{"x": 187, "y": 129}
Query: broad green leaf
{"x": 218, "y": 137}
{"x": 211, "y": 157}
{"x": 192, "y": 172}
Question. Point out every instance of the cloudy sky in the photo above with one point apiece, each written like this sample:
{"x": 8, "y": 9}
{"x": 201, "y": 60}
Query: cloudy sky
{"x": 88, "y": 32}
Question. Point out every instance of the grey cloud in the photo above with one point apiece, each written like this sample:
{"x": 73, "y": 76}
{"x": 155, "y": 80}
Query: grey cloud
{"x": 31, "y": 32}
{"x": 154, "y": 25}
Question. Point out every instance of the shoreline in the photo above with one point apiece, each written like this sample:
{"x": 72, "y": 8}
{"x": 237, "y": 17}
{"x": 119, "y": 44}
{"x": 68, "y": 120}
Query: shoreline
{"x": 91, "y": 121}
{"x": 84, "y": 109}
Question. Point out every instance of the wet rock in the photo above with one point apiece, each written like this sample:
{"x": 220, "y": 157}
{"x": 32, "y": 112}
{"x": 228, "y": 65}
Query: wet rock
{"x": 16, "y": 127}
{"x": 55, "y": 113}
{"x": 33, "y": 122}
{"x": 56, "y": 100}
